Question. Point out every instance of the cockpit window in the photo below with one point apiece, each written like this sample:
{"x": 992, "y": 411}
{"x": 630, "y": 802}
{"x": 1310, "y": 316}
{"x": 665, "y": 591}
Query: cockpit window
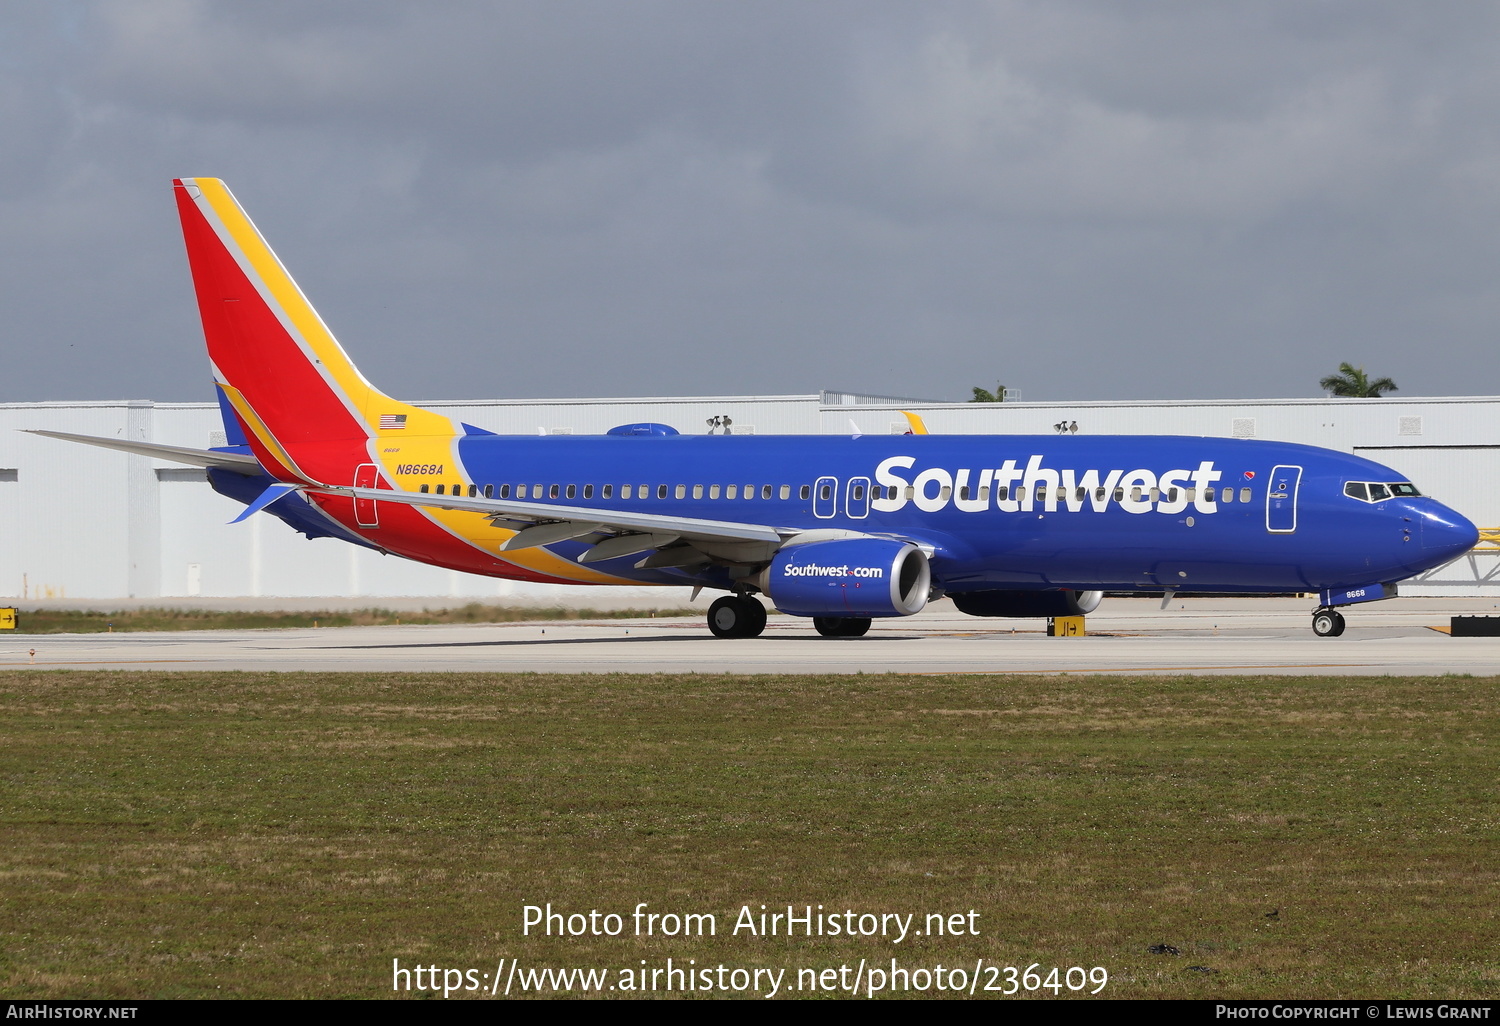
{"x": 1374, "y": 491}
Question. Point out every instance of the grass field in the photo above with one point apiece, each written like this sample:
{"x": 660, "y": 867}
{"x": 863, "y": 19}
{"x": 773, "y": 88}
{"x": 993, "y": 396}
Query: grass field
{"x": 289, "y": 835}
{"x": 72, "y": 621}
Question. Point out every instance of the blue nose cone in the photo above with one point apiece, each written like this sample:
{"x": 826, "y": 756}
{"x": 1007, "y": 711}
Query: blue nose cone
{"x": 1446, "y": 535}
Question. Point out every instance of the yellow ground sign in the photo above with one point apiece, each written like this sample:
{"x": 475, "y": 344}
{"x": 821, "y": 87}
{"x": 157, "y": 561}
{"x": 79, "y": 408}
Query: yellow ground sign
{"x": 1065, "y": 627}
{"x": 7, "y": 619}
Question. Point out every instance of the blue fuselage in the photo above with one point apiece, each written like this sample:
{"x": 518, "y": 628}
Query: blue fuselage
{"x": 1125, "y": 513}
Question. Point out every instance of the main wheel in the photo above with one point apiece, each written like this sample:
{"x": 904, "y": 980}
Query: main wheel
{"x": 736, "y": 616}
{"x": 841, "y": 626}
{"x": 1327, "y": 623}
{"x": 755, "y": 617}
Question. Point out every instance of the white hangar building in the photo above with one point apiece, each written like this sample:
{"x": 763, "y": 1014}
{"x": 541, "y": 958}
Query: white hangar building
{"x": 78, "y": 522}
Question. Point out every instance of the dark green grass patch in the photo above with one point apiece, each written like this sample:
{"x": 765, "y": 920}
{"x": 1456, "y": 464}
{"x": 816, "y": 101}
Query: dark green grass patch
{"x": 72, "y": 621}
{"x": 290, "y": 834}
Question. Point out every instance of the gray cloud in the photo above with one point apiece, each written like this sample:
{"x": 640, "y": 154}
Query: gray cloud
{"x": 587, "y": 198}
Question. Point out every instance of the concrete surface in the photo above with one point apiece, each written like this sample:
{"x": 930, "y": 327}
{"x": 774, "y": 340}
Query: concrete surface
{"x": 1221, "y": 636}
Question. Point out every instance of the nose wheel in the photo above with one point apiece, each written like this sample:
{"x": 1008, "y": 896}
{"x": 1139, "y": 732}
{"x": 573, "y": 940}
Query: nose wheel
{"x": 1328, "y": 623}
{"x": 736, "y": 616}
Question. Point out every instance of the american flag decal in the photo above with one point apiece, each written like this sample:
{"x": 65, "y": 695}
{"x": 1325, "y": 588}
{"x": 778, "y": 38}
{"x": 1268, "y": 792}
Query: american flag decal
{"x": 392, "y": 421}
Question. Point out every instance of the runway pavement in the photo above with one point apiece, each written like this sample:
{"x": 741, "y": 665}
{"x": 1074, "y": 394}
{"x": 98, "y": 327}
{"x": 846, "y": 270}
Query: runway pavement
{"x": 1219, "y": 636}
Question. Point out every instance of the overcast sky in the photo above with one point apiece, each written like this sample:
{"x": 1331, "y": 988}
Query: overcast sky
{"x": 1086, "y": 200}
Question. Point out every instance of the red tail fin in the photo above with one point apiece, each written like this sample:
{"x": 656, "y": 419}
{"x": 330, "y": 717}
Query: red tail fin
{"x": 307, "y": 411}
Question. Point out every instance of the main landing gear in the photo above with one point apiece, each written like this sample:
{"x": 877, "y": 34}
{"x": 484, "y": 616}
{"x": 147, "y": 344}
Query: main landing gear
{"x": 842, "y": 626}
{"x": 737, "y": 616}
{"x": 1327, "y": 623}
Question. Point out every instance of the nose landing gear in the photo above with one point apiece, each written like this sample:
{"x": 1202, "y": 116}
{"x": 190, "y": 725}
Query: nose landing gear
{"x": 1327, "y": 623}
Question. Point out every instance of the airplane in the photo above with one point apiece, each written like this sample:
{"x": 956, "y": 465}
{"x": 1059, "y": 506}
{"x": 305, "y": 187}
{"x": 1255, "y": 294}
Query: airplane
{"x": 839, "y": 529}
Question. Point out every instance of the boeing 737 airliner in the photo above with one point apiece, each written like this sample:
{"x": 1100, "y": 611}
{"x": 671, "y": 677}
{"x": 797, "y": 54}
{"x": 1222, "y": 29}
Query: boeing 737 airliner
{"x": 839, "y": 529}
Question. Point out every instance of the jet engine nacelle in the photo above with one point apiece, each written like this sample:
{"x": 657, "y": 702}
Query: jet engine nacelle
{"x": 848, "y": 577}
{"x": 1027, "y": 603}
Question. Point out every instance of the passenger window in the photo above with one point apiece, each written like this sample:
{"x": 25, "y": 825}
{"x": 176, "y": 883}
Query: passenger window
{"x": 608, "y": 491}
{"x": 1135, "y": 494}
{"x": 1208, "y": 494}
{"x": 732, "y": 492}
{"x": 661, "y": 491}
{"x": 1021, "y": 493}
{"x": 1155, "y": 494}
{"x": 1062, "y": 494}
{"x": 945, "y": 493}
{"x": 697, "y": 491}
{"x": 680, "y": 491}
{"x": 536, "y": 491}
{"x": 1004, "y": 493}
{"x": 588, "y": 491}
{"x": 805, "y": 492}
{"x": 713, "y": 491}
{"x": 489, "y": 491}
{"x": 1099, "y": 494}
{"x": 786, "y": 491}
{"x": 984, "y": 494}
{"x": 1171, "y": 494}
{"x": 1192, "y": 494}
{"x": 552, "y": 492}
{"x": 1357, "y": 490}
{"x": 765, "y": 491}
{"x": 1119, "y": 495}
{"x": 440, "y": 489}
{"x": 859, "y": 492}
{"x": 1378, "y": 492}
{"x": 1228, "y": 495}
{"x": 505, "y": 491}
{"x": 572, "y": 491}
{"x": 825, "y": 492}
{"x": 473, "y": 491}
{"x": 1244, "y": 495}
{"x": 423, "y": 489}
{"x": 911, "y": 492}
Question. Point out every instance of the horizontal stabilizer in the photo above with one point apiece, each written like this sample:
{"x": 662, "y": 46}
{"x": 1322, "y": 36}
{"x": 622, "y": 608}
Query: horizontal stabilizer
{"x": 267, "y": 497}
{"x": 234, "y": 461}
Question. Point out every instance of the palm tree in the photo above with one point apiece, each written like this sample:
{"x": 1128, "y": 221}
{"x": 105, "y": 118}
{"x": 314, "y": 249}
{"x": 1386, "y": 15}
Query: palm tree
{"x": 1352, "y": 382}
{"x": 984, "y": 395}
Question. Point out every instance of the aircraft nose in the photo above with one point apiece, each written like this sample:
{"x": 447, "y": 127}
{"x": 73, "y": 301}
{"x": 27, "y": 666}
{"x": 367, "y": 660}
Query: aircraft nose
{"x": 1446, "y": 535}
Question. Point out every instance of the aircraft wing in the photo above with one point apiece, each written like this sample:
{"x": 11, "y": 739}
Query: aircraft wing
{"x": 572, "y": 521}
{"x": 234, "y": 461}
